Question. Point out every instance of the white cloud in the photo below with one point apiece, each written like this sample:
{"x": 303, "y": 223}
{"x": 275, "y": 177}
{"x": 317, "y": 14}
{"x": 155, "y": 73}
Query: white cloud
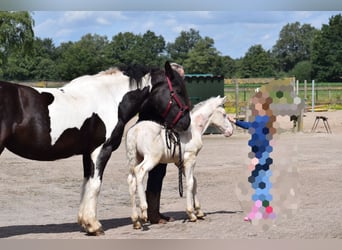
{"x": 102, "y": 21}
{"x": 72, "y": 16}
{"x": 233, "y": 31}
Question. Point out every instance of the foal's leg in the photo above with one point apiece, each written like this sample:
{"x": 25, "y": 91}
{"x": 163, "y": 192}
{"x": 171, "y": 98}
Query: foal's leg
{"x": 189, "y": 168}
{"x": 198, "y": 211}
{"x": 140, "y": 172}
{"x": 93, "y": 165}
{"x": 132, "y": 186}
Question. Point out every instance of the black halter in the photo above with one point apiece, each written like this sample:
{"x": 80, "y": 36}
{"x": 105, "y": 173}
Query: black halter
{"x": 174, "y": 97}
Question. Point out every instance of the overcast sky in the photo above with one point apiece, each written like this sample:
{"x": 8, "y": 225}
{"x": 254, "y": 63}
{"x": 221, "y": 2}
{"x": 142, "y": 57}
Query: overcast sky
{"x": 234, "y": 32}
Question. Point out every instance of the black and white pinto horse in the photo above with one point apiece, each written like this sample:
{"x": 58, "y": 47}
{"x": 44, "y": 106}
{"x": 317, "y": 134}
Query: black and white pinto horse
{"x": 147, "y": 145}
{"x": 87, "y": 117}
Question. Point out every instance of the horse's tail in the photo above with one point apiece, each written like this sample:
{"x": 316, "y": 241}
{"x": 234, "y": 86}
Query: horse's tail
{"x": 131, "y": 149}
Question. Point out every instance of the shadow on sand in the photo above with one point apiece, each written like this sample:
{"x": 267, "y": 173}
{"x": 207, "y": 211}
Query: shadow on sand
{"x": 9, "y": 231}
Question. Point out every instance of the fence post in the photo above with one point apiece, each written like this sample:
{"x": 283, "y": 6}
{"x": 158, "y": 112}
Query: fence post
{"x": 305, "y": 89}
{"x": 236, "y": 97}
{"x": 313, "y": 96}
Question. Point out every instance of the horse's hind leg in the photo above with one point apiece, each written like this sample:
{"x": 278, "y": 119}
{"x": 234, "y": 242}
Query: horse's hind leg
{"x": 140, "y": 172}
{"x": 94, "y": 165}
{"x": 132, "y": 185}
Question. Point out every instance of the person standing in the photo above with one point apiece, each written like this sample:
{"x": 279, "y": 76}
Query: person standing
{"x": 262, "y": 130}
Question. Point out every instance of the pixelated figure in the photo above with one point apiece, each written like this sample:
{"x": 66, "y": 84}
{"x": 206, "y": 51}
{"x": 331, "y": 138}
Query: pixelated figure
{"x": 271, "y": 100}
{"x": 261, "y": 129}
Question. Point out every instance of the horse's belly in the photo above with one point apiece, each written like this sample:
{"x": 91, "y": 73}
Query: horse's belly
{"x": 40, "y": 153}
{"x": 35, "y": 142}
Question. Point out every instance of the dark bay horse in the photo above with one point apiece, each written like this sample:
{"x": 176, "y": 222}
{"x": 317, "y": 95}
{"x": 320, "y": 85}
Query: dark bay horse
{"x": 87, "y": 117}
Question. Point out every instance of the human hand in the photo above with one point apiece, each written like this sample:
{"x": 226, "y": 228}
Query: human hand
{"x": 231, "y": 119}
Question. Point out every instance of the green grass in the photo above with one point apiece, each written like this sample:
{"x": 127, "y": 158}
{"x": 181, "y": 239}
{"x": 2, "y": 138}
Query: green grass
{"x": 335, "y": 106}
{"x": 327, "y": 94}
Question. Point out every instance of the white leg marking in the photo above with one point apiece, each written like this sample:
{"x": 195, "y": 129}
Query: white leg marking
{"x": 88, "y": 207}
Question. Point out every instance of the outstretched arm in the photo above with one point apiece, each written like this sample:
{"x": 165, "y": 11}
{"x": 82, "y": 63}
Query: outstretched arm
{"x": 241, "y": 124}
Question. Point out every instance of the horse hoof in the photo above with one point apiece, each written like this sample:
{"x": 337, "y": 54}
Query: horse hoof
{"x": 200, "y": 215}
{"x": 136, "y": 225}
{"x": 192, "y": 218}
{"x": 97, "y": 232}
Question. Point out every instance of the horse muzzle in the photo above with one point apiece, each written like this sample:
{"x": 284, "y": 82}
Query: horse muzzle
{"x": 228, "y": 133}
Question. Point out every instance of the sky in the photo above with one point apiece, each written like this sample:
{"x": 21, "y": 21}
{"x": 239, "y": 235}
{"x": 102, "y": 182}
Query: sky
{"x": 233, "y": 31}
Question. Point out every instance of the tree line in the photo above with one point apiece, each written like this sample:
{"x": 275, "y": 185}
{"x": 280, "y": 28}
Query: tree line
{"x": 301, "y": 51}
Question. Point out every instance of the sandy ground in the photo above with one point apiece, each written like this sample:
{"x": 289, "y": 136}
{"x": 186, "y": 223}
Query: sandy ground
{"x": 41, "y": 199}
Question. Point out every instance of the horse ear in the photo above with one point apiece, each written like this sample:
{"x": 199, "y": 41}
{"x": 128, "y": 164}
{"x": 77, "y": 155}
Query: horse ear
{"x": 168, "y": 70}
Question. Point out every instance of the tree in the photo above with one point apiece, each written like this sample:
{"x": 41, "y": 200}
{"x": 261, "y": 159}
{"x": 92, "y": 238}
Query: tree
{"x": 203, "y": 58}
{"x": 123, "y": 49}
{"x": 44, "y": 56}
{"x": 186, "y": 41}
{"x": 302, "y": 71}
{"x": 327, "y": 51}
{"x": 16, "y": 33}
{"x": 128, "y": 48}
{"x": 256, "y": 63}
{"x": 152, "y": 47}
{"x": 38, "y": 65}
{"x": 86, "y": 56}
{"x": 293, "y": 45}
{"x": 229, "y": 67}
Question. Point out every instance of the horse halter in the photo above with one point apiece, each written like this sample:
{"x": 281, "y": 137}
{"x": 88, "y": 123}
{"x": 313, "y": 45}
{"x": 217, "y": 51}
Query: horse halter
{"x": 174, "y": 97}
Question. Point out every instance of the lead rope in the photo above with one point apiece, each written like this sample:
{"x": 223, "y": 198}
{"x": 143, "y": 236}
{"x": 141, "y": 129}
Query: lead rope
{"x": 172, "y": 138}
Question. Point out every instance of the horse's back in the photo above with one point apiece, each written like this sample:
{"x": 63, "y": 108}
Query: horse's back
{"x": 145, "y": 138}
{"x": 14, "y": 98}
{"x": 143, "y": 133}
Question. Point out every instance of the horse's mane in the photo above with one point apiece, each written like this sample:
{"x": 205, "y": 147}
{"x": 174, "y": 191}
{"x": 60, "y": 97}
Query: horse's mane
{"x": 136, "y": 73}
{"x": 110, "y": 71}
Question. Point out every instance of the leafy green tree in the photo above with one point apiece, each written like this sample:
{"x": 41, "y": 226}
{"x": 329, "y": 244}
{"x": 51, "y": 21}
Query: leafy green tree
{"x": 17, "y": 67}
{"x": 256, "y": 63}
{"x": 203, "y": 58}
{"x": 86, "y": 56}
{"x": 43, "y": 66}
{"x": 128, "y": 48}
{"x": 67, "y": 62}
{"x": 153, "y": 47}
{"x": 293, "y": 45}
{"x": 327, "y": 51}
{"x": 302, "y": 71}
{"x": 229, "y": 67}
{"x": 123, "y": 49}
{"x": 38, "y": 65}
{"x": 16, "y": 33}
{"x": 179, "y": 49}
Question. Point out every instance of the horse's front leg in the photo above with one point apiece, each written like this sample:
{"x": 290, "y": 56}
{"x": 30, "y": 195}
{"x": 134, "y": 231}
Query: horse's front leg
{"x": 93, "y": 166}
{"x": 189, "y": 168}
{"x": 198, "y": 211}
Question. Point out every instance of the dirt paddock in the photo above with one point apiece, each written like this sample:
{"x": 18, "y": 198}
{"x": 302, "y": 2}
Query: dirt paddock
{"x": 41, "y": 199}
